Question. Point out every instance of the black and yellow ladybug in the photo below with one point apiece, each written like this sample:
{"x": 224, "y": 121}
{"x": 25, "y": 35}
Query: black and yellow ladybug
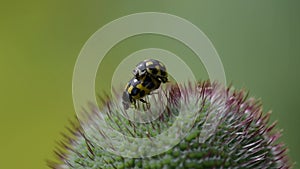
{"x": 136, "y": 89}
{"x": 151, "y": 67}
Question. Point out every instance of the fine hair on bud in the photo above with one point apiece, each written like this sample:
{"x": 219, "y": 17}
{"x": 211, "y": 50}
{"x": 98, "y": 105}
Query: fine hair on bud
{"x": 227, "y": 130}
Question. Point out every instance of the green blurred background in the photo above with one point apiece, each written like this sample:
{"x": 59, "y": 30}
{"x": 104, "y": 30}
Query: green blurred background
{"x": 258, "y": 42}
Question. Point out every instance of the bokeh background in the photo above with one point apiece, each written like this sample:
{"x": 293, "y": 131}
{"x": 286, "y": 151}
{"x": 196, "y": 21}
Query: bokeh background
{"x": 258, "y": 42}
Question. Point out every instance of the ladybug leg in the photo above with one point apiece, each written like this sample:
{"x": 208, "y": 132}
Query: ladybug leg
{"x": 147, "y": 103}
{"x": 142, "y": 100}
{"x": 134, "y": 103}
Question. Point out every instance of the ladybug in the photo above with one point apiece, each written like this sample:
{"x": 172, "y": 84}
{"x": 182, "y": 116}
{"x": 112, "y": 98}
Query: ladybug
{"x": 153, "y": 68}
{"x": 136, "y": 89}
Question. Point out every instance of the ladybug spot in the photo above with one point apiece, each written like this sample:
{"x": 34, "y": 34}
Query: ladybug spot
{"x": 142, "y": 93}
{"x": 154, "y": 71}
{"x": 135, "y": 91}
{"x": 150, "y": 85}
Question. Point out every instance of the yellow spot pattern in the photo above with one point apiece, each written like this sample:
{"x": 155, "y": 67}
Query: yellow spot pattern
{"x": 130, "y": 89}
{"x": 149, "y": 63}
{"x": 158, "y": 69}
